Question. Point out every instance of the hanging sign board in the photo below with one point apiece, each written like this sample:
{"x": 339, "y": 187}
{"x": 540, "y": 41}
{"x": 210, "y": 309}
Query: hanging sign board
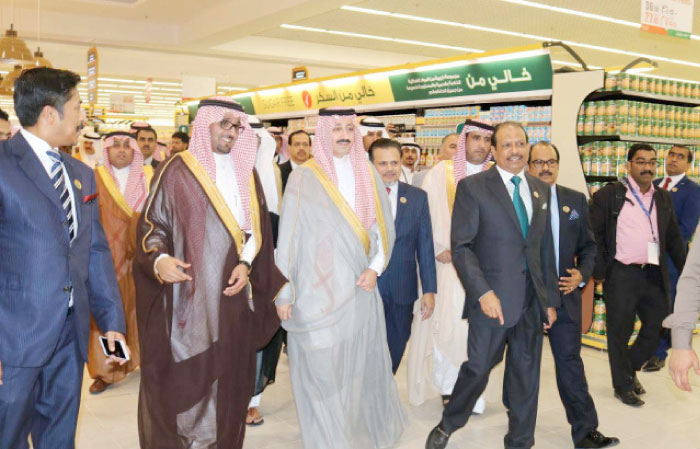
{"x": 670, "y": 17}
{"x": 92, "y": 72}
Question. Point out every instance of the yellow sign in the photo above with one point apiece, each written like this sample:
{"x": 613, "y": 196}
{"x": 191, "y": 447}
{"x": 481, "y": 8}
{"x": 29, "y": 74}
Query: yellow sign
{"x": 351, "y": 92}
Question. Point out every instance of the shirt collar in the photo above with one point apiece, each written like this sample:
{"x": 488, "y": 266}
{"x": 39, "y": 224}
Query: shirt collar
{"x": 635, "y": 186}
{"x": 676, "y": 178}
{"x": 37, "y": 143}
{"x": 507, "y": 176}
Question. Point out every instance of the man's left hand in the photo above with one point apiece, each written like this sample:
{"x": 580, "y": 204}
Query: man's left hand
{"x": 367, "y": 280}
{"x": 237, "y": 281}
{"x": 427, "y": 305}
{"x": 112, "y": 336}
{"x": 571, "y": 283}
{"x": 551, "y": 317}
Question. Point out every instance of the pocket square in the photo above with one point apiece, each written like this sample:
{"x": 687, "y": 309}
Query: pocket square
{"x": 87, "y": 199}
{"x": 544, "y": 206}
{"x": 574, "y": 215}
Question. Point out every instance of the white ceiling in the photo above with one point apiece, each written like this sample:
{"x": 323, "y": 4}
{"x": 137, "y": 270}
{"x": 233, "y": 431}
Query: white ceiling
{"x": 243, "y": 44}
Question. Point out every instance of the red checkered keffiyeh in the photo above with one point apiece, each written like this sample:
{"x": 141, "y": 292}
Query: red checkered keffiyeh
{"x": 244, "y": 150}
{"x": 136, "y": 190}
{"x": 322, "y": 149}
{"x": 460, "y": 159}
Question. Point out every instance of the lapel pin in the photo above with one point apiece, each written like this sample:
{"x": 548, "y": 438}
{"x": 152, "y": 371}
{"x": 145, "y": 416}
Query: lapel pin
{"x": 536, "y": 194}
{"x": 675, "y": 189}
{"x": 566, "y": 209}
{"x": 78, "y": 184}
{"x": 403, "y": 200}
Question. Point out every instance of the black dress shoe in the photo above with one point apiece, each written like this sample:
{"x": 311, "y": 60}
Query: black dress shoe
{"x": 437, "y": 438}
{"x": 596, "y": 439}
{"x": 654, "y": 364}
{"x": 629, "y": 398}
{"x": 638, "y": 388}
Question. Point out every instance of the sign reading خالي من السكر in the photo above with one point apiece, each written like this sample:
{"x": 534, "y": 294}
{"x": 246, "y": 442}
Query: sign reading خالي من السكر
{"x": 517, "y": 74}
{"x": 671, "y": 17}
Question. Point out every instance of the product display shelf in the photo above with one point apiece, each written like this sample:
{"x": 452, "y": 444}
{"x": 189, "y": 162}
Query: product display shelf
{"x": 657, "y": 140}
{"x": 646, "y": 96}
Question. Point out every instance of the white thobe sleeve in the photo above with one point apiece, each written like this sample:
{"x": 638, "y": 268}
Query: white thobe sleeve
{"x": 379, "y": 259}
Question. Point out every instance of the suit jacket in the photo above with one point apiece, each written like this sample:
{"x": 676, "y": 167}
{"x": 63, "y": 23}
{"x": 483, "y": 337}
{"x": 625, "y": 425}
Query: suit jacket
{"x": 490, "y": 253}
{"x": 606, "y": 207}
{"x": 577, "y": 247}
{"x": 686, "y": 203}
{"x": 414, "y": 240}
{"x": 39, "y": 264}
{"x": 154, "y": 163}
{"x": 285, "y": 170}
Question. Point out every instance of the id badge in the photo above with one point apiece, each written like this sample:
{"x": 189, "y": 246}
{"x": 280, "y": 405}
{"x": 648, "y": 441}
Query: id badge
{"x": 653, "y": 253}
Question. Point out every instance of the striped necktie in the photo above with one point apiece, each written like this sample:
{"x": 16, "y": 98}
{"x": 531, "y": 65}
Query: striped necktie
{"x": 59, "y": 183}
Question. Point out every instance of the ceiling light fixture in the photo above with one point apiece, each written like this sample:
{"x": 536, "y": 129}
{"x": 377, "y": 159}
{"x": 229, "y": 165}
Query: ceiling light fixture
{"x": 13, "y": 50}
{"x": 516, "y": 34}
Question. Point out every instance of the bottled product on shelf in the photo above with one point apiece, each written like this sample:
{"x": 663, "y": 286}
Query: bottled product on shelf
{"x": 683, "y": 90}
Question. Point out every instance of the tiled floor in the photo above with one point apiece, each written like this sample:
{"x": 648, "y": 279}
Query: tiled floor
{"x": 669, "y": 420}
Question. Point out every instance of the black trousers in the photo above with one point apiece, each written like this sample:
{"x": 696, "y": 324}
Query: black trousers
{"x": 630, "y": 290}
{"x": 565, "y": 341}
{"x": 521, "y": 383}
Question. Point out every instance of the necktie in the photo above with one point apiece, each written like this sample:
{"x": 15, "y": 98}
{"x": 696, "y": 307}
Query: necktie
{"x": 520, "y": 210}
{"x": 388, "y": 190}
{"x": 666, "y": 183}
{"x": 59, "y": 184}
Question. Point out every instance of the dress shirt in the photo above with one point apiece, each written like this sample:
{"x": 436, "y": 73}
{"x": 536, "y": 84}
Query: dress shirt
{"x": 148, "y": 160}
{"x": 554, "y": 205}
{"x": 674, "y": 181}
{"x": 633, "y": 230}
{"x": 407, "y": 175}
{"x": 473, "y": 169}
{"x": 40, "y": 147}
{"x": 393, "y": 197}
{"x": 121, "y": 175}
{"x": 524, "y": 189}
{"x": 294, "y": 164}
{"x": 346, "y": 185}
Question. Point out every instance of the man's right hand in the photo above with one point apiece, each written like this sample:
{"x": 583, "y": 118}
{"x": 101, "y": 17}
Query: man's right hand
{"x": 284, "y": 312}
{"x": 681, "y": 362}
{"x": 491, "y": 306}
{"x": 169, "y": 270}
{"x": 445, "y": 256}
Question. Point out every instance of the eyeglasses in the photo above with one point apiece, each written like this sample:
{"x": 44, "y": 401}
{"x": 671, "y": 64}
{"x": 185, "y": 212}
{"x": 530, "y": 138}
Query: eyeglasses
{"x": 642, "y": 163}
{"x": 539, "y": 163}
{"x": 228, "y": 125}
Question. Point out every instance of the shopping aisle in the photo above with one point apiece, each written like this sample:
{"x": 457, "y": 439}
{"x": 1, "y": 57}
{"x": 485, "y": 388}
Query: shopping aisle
{"x": 670, "y": 419}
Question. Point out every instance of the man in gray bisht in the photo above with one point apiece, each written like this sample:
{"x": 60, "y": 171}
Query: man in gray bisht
{"x": 335, "y": 237}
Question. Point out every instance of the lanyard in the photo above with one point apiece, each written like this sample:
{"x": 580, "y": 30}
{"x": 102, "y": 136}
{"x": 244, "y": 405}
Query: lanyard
{"x": 644, "y": 209}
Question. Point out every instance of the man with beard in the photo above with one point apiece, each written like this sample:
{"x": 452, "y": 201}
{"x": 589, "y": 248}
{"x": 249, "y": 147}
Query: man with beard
{"x": 410, "y": 153}
{"x": 299, "y": 152}
{"x": 122, "y": 185}
{"x": 444, "y": 337}
{"x": 372, "y": 129}
{"x": 413, "y": 251}
{"x": 635, "y": 227}
{"x": 205, "y": 282}
{"x": 179, "y": 142}
{"x": 89, "y": 149}
{"x": 336, "y": 236}
{"x": 147, "y": 139}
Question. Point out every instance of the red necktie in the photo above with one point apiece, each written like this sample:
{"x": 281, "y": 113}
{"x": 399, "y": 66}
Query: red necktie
{"x": 388, "y": 190}
{"x": 666, "y": 183}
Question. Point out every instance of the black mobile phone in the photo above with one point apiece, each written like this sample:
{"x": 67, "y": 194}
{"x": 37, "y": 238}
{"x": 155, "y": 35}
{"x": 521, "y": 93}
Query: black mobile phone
{"x": 118, "y": 348}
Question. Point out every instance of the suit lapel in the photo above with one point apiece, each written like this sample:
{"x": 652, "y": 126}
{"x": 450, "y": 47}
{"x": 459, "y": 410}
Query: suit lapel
{"x": 399, "y": 205}
{"x": 34, "y": 170}
{"x": 536, "y": 201}
{"x": 501, "y": 193}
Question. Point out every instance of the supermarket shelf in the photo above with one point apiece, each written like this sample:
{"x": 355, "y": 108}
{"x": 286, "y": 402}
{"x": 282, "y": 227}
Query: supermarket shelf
{"x": 595, "y": 178}
{"x": 623, "y": 94}
{"x": 588, "y": 139}
{"x": 598, "y": 341}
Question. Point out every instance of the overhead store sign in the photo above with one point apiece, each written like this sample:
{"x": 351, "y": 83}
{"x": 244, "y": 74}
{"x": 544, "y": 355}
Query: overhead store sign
{"x": 494, "y": 75}
{"x": 121, "y": 103}
{"x": 671, "y": 17}
{"x": 92, "y": 72}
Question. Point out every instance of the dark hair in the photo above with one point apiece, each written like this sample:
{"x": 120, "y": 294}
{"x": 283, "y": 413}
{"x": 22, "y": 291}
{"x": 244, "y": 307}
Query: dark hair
{"x": 677, "y": 145}
{"x": 4, "y": 116}
{"x": 504, "y": 125}
{"x": 543, "y": 142}
{"x": 39, "y": 87}
{"x": 639, "y": 147}
{"x": 296, "y": 133}
{"x": 182, "y": 136}
{"x": 149, "y": 129}
{"x": 383, "y": 142}
{"x": 447, "y": 136}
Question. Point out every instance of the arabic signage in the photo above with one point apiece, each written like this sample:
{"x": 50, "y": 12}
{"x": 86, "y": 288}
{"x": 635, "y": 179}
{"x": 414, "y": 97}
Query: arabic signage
{"x": 671, "y": 17}
{"x": 530, "y": 73}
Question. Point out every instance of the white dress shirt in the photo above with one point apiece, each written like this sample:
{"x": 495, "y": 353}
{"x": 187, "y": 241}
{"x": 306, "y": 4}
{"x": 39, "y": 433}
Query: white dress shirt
{"x": 524, "y": 189}
{"x": 407, "y": 175}
{"x": 121, "y": 175}
{"x": 148, "y": 160}
{"x": 473, "y": 169}
{"x": 346, "y": 185}
{"x": 674, "y": 181}
{"x": 554, "y": 204}
{"x": 40, "y": 148}
{"x": 393, "y": 197}
{"x": 294, "y": 164}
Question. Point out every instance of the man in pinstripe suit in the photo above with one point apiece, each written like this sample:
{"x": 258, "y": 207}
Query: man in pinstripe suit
{"x": 56, "y": 268}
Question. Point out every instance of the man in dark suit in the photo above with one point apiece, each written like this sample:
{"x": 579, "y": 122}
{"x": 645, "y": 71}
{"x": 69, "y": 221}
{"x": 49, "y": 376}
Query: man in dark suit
{"x": 147, "y": 140}
{"x": 502, "y": 250}
{"x": 574, "y": 251}
{"x": 398, "y": 285}
{"x": 635, "y": 227}
{"x": 299, "y": 152}
{"x": 685, "y": 194}
{"x": 55, "y": 270}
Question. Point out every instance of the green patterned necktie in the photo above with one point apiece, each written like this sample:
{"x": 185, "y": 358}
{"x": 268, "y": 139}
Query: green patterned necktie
{"x": 520, "y": 210}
